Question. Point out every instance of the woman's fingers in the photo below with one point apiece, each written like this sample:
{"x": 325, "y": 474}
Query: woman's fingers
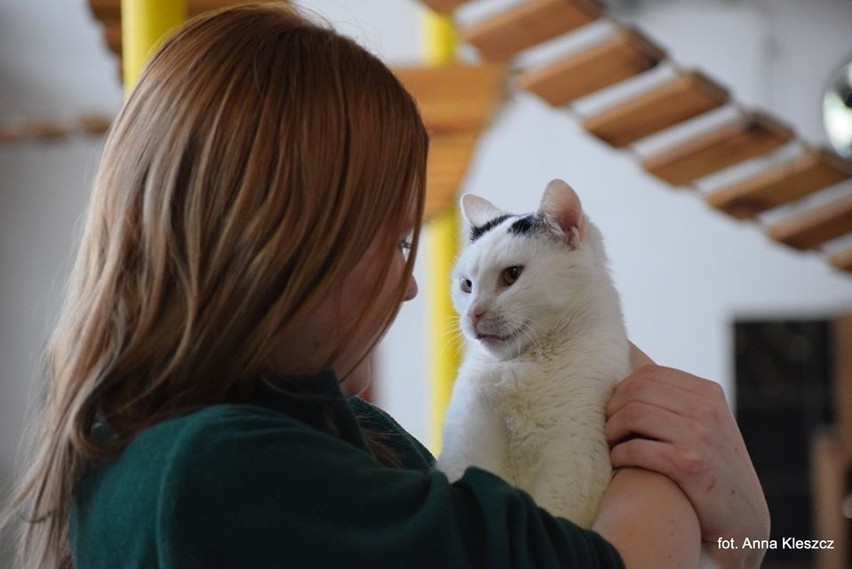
{"x": 643, "y": 453}
{"x": 668, "y": 388}
{"x": 666, "y": 457}
{"x": 647, "y": 420}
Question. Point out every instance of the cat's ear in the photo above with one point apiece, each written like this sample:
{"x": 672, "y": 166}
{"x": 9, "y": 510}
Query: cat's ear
{"x": 562, "y": 204}
{"x": 478, "y": 211}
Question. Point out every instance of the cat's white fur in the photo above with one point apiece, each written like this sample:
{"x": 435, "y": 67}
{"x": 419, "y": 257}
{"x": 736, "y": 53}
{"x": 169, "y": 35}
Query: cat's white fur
{"x": 528, "y": 402}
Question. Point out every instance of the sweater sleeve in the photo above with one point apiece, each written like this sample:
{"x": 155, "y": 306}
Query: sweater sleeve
{"x": 253, "y": 490}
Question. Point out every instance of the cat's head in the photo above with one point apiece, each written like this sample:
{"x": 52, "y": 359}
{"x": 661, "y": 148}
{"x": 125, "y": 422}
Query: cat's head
{"x": 521, "y": 276}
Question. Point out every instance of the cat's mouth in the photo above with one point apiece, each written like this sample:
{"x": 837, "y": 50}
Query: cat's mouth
{"x": 493, "y": 339}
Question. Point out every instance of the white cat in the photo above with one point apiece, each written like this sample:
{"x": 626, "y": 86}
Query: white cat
{"x": 546, "y": 346}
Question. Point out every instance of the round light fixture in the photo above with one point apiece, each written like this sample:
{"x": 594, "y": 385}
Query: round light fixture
{"x": 837, "y": 111}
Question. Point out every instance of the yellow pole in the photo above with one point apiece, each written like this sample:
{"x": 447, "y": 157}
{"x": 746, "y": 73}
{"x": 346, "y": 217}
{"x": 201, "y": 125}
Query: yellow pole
{"x": 144, "y": 23}
{"x": 442, "y": 237}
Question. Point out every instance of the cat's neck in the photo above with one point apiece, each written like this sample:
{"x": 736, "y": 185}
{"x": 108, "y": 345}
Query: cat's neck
{"x": 592, "y": 323}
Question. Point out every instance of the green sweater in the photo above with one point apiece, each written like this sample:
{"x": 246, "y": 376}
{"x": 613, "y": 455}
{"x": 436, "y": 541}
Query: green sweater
{"x": 250, "y": 485}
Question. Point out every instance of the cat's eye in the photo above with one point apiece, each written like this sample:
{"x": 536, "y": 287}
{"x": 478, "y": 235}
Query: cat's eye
{"x": 510, "y": 275}
{"x": 466, "y": 285}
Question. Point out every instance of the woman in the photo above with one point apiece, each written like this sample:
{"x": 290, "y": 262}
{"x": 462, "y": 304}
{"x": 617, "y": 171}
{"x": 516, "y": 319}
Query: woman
{"x": 246, "y": 247}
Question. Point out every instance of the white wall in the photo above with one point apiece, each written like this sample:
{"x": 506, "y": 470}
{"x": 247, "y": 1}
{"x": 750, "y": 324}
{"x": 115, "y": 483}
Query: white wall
{"x": 685, "y": 272}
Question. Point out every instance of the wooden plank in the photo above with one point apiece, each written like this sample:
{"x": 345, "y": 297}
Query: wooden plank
{"x": 528, "y": 23}
{"x": 449, "y": 159}
{"x": 455, "y": 97}
{"x": 443, "y": 5}
{"x": 109, "y": 13}
{"x": 842, "y": 381}
{"x": 112, "y": 35}
{"x": 106, "y": 9}
{"x": 842, "y": 259}
{"x": 718, "y": 149}
{"x": 684, "y": 97}
{"x": 449, "y": 155}
{"x": 816, "y": 226}
{"x": 195, "y": 7}
{"x": 111, "y": 9}
{"x": 781, "y": 184}
{"x": 625, "y": 54}
{"x": 829, "y": 465}
{"x": 92, "y": 124}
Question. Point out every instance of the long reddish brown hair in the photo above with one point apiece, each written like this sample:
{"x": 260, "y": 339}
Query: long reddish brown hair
{"x": 254, "y": 162}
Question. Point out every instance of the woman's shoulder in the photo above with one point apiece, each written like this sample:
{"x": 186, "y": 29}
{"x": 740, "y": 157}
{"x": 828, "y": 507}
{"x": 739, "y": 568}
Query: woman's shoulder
{"x": 207, "y": 451}
{"x": 187, "y": 484}
{"x": 223, "y": 433}
{"x": 190, "y": 433}
{"x": 219, "y": 440}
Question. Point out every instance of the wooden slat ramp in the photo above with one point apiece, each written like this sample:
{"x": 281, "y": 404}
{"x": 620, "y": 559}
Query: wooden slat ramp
{"x": 627, "y": 54}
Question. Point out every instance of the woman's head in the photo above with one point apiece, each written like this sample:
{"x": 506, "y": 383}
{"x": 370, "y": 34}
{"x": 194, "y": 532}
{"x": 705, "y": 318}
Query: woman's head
{"x": 258, "y": 160}
{"x": 251, "y": 169}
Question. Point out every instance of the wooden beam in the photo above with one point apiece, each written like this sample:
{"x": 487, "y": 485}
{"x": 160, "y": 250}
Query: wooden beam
{"x": 443, "y": 5}
{"x": 829, "y": 467}
{"x": 195, "y": 7}
{"x": 528, "y": 23}
{"x": 449, "y": 159}
{"x": 106, "y": 9}
{"x": 455, "y": 97}
{"x": 625, "y": 54}
{"x": 813, "y": 227}
{"x": 841, "y": 331}
{"x": 42, "y": 129}
{"x": 842, "y": 260}
{"x": 92, "y": 124}
{"x": 109, "y": 14}
{"x": 112, "y": 35}
{"x": 111, "y": 9}
{"x": 718, "y": 149}
{"x": 684, "y": 97}
{"x": 781, "y": 184}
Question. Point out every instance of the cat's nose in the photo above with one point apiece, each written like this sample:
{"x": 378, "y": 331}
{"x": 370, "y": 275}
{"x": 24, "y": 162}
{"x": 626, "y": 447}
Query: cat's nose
{"x": 476, "y": 314}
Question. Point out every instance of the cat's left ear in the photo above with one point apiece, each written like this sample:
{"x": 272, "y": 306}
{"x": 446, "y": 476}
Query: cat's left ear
{"x": 478, "y": 211}
{"x": 562, "y": 204}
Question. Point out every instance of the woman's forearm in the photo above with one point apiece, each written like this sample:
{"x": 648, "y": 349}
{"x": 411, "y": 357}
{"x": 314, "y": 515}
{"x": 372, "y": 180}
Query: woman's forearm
{"x": 649, "y": 520}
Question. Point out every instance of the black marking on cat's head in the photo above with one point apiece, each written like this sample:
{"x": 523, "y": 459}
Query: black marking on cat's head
{"x": 528, "y": 225}
{"x": 477, "y": 232}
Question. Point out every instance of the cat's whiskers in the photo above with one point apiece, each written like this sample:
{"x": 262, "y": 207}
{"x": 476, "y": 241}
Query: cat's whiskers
{"x": 526, "y": 328}
{"x": 453, "y": 336}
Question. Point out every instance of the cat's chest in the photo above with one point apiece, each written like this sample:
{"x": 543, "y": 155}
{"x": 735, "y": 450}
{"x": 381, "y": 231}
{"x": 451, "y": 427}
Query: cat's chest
{"x": 539, "y": 394}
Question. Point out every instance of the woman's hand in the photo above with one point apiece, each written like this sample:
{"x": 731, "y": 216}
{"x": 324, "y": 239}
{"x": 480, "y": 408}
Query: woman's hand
{"x": 680, "y": 425}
